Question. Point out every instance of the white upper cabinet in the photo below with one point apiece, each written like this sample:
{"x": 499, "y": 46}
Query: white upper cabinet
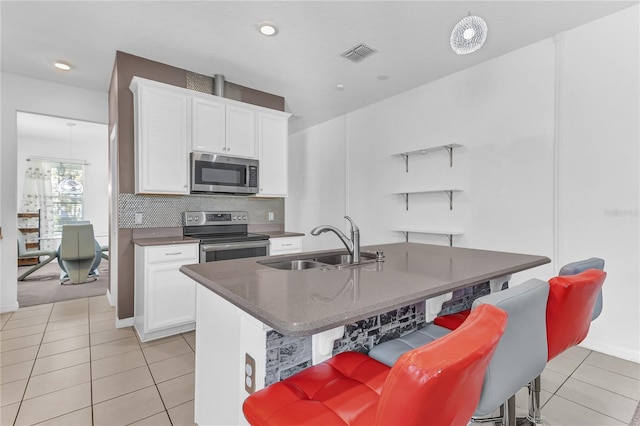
{"x": 274, "y": 149}
{"x": 170, "y": 122}
{"x": 241, "y": 132}
{"x": 161, "y": 117}
{"x": 208, "y": 126}
{"x": 220, "y": 128}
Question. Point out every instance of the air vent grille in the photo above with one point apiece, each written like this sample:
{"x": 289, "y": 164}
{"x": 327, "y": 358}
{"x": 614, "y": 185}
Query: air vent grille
{"x": 359, "y": 52}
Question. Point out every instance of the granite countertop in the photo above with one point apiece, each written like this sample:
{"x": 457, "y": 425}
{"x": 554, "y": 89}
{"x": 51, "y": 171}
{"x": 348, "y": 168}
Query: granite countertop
{"x": 282, "y": 234}
{"x": 160, "y": 241}
{"x": 301, "y": 303}
{"x": 179, "y": 239}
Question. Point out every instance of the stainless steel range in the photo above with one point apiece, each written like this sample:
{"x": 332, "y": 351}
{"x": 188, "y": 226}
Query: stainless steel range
{"x": 224, "y": 236}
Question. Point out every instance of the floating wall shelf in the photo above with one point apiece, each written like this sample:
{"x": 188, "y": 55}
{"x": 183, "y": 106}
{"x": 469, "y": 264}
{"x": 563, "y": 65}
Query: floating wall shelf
{"x": 449, "y": 193}
{"x": 447, "y": 232}
{"x": 448, "y": 147}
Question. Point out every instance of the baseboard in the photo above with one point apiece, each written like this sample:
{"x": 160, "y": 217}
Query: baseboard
{"x": 126, "y": 322}
{"x": 617, "y": 351}
{"x": 110, "y": 298}
{"x": 9, "y": 308}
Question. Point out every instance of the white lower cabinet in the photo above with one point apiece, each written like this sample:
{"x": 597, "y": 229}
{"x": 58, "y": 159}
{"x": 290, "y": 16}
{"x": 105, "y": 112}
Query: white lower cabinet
{"x": 285, "y": 245}
{"x": 165, "y": 298}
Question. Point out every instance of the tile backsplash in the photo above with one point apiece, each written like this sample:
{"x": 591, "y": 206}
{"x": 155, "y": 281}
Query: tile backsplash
{"x": 165, "y": 211}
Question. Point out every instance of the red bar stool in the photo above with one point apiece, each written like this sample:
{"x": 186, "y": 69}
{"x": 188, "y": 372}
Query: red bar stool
{"x": 570, "y": 310}
{"x": 437, "y": 384}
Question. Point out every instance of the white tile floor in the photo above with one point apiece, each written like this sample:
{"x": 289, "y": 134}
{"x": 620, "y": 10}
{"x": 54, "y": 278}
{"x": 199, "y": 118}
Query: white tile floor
{"x": 66, "y": 364}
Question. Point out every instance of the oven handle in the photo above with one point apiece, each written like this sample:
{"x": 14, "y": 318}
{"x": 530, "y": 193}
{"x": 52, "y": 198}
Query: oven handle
{"x": 233, "y": 246}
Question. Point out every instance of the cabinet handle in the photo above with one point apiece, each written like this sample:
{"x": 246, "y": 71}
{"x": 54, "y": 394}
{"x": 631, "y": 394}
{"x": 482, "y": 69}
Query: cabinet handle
{"x": 287, "y": 245}
{"x": 173, "y": 254}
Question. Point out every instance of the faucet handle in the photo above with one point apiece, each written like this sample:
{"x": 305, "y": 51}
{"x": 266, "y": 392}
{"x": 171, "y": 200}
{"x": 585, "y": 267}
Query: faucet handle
{"x": 354, "y": 227}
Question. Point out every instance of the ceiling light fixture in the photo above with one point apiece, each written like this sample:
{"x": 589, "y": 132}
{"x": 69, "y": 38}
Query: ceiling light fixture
{"x": 468, "y": 35}
{"x": 62, "y": 66}
{"x": 268, "y": 28}
{"x": 69, "y": 184}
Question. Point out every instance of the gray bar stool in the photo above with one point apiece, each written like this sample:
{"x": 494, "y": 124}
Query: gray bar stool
{"x": 520, "y": 356}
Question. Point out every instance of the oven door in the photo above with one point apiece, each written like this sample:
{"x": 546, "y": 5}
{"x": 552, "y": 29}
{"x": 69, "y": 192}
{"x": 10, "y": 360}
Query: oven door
{"x": 227, "y": 251}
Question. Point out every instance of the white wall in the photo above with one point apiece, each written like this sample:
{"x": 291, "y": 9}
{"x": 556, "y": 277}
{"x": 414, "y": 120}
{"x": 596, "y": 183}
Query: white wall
{"x": 599, "y": 180}
{"x": 317, "y": 183}
{"x": 541, "y": 174}
{"x": 20, "y": 93}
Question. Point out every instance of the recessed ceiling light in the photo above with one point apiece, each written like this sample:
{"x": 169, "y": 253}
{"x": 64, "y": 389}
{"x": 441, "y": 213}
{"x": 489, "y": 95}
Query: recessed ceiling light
{"x": 268, "y": 28}
{"x": 340, "y": 87}
{"x": 383, "y": 77}
{"x": 62, "y": 66}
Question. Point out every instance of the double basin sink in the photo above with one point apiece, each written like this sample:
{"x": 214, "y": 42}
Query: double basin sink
{"x": 326, "y": 261}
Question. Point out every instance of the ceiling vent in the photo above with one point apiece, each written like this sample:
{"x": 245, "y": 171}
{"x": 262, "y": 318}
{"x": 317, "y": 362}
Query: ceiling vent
{"x": 359, "y": 52}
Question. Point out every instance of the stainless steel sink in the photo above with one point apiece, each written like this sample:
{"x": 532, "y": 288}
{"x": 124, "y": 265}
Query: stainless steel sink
{"x": 344, "y": 259}
{"x": 293, "y": 265}
{"x": 331, "y": 260}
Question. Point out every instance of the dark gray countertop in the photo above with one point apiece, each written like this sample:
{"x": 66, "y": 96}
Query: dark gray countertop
{"x": 160, "y": 241}
{"x": 277, "y": 234}
{"x": 301, "y": 303}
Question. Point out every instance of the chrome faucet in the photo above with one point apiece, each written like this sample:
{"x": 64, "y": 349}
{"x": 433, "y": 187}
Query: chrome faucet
{"x": 352, "y": 245}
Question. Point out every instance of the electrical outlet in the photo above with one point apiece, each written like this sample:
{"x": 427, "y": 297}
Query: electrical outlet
{"x": 249, "y": 374}
{"x": 138, "y": 219}
{"x": 271, "y": 216}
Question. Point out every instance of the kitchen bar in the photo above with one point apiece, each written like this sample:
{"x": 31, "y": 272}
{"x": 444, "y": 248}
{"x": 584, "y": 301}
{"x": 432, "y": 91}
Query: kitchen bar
{"x": 240, "y": 301}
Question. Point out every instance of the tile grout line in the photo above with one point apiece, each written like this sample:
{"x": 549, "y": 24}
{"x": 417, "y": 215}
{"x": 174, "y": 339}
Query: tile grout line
{"x": 577, "y": 403}
{"x": 154, "y": 382}
{"x": 90, "y": 364}
{"x": 15, "y": 420}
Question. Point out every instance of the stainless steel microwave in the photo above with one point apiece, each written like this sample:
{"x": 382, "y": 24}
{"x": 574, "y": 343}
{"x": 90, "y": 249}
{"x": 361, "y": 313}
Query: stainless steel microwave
{"x": 218, "y": 174}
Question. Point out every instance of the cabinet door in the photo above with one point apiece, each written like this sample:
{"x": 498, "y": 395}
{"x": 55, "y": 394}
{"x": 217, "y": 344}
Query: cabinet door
{"x": 162, "y": 152}
{"x": 208, "y": 126}
{"x": 241, "y": 132}
{"x": 171, "y": 296}
{"x": 273, "y": 136}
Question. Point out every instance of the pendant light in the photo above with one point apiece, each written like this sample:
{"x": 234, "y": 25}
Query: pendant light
{"x": 69, "y": 185}
{"x": 468, "y": 35}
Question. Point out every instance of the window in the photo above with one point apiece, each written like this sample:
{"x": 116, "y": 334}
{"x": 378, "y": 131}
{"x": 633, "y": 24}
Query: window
{"x": 67, "y": 194}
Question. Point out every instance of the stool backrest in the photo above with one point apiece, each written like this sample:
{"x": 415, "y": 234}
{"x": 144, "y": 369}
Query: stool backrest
{"x": 440, "y": 383}
{"x": 521, "y": 354}
{"x": 570, "y": 307}
{"x": 581, "y": 266}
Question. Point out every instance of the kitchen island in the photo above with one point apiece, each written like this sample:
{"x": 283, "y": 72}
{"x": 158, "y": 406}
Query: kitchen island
{"x": 244, "y": 306}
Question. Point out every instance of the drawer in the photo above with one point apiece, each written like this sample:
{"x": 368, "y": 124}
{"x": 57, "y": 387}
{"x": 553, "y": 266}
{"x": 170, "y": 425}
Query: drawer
{"x": 172, "y": 253}
{"x": 285, "y": 245}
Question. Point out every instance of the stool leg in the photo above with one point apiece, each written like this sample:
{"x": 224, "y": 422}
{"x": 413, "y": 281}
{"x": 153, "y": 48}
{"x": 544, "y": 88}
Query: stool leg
{"x": 509, "y": 417}
{"x": 534, "y": 402}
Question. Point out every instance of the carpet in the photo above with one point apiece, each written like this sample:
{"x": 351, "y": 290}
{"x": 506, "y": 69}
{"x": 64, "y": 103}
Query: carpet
{"x": 43, "y": 286}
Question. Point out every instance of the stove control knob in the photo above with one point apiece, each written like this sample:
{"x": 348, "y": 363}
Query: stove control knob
{"x": 234, "y": 218}
{"x": 244, "y": 217}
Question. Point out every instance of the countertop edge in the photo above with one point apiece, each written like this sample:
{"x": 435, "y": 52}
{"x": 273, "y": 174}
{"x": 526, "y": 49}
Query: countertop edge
{"x": 308, "y": 328}
{"x": 161, "y": 241}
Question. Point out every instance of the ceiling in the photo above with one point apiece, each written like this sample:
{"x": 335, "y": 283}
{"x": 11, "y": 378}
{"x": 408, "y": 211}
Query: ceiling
{"x": 302, "y": 63}
{"x": 56, "y": 130}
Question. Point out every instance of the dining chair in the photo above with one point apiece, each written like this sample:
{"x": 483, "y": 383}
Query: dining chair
{"x": 23, "y": 253}
{"x": 78, "y": 253}
{"x": 438, "y": 384}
